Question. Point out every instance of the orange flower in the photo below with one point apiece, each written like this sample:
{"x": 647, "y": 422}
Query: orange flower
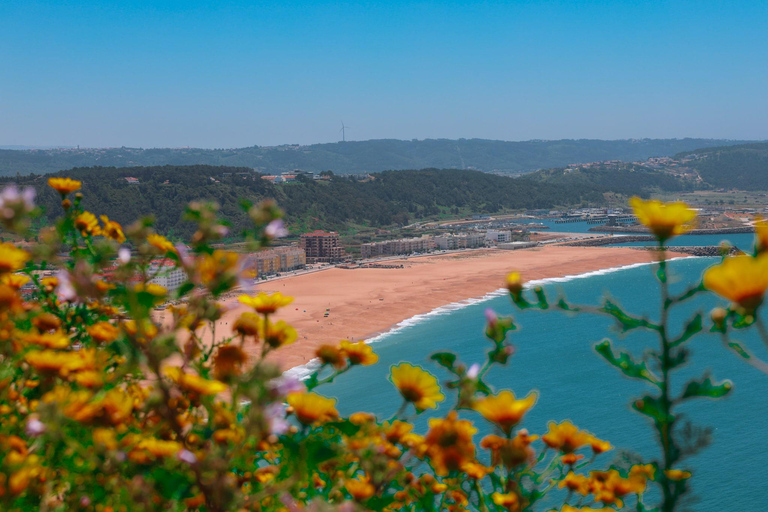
{"x": 576, "y": 483}
{"x": 264, "y": 303}
{"x": 741, "y": 279}
{"x": 504, "y": 410}
{"x": 87, "y": 224}
{"x": 12, "y": 258}
{"x": 112, "y": 230}
{"x": 63, "y": 363}
{"x": 358, "y": 353}
{"x": 248, "y": 324}
{"x": 510, "y": 452}
{"x": 360, "y": 488}
{"x": 329, "y": 354}
{"x": 103, "y": 332}
{"x": 449, "y": 443}
{"x": 15, "y": 281}
{"x": 665, "y": 220}
{"x": 565, "y": 437}
{"x": 509, "y": 501}
{"x": 417, "y": 386}
{"x": 55, "y": 340}
{"x": 312, "y": 408}
{"x": 194, "y": 383}
{"x": 277, "y": 334}
{"x": 677, "y": 475}
{"x": 228, "y": 361}
{"x": 160, "y": 243}
{"x": 64, "y": 186}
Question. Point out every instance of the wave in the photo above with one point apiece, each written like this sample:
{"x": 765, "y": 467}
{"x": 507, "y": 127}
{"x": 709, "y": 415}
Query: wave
{"x": 304, "y": 371}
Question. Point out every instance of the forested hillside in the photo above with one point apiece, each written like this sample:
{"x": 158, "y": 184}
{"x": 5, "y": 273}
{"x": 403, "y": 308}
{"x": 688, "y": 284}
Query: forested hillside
{"x": 628, "y": 179}
{"x": 391, "y": 198}
{"x": 742, "y": 167}
{"x": 364, "y": 156}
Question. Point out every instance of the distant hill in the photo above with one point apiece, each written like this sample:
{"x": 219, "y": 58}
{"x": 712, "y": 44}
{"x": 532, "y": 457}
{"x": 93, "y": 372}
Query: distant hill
{"x": 743, "y": 167}
{"x": 391, "y": 198}
{"x": 365, "y": 156}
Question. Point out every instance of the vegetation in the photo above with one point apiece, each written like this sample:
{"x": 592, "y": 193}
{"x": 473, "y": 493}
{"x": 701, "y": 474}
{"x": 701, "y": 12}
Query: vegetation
{"x": 743, "y": 167}
{"x": 626, "y": 179}
{"x": 105, "y": 408}
{"x": 364, "y": 156}
{"x": 391, "y": 198}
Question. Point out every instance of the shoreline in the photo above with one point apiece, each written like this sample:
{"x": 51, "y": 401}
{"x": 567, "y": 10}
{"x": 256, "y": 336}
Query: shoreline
{"x": 367, "y": 304}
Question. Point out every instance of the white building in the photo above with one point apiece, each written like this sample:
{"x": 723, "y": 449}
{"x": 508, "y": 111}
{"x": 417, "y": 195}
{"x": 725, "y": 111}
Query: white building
{"x": 464, "y": 241}
{"x": 499, "y": 237}
{"x": 167, "y": 276}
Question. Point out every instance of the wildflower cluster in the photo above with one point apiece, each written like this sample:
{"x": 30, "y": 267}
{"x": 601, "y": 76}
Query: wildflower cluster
{"x": 106, "y": 404}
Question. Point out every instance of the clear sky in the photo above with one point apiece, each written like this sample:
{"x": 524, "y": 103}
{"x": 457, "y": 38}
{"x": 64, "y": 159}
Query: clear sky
{"x": 242, "y": 73}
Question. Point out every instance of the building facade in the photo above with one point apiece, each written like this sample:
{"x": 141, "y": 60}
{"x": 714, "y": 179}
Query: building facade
{"x": 498, "y": 236}
{"x": 278, "y": 259}
{"x": 392, "y": 247}
{"x": 463, "y": 241}
{"x": 322, "y": 247}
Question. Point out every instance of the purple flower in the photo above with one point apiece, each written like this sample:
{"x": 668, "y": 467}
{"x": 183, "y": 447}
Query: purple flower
{"x": 276, "y": 417}
{"x": 124, "y": 255}
{"x": 186, "y": 259}
{"x": 186, "y": 456}
{"x": 65, "y": 290}
{"x": 34, "y": 427}
{"x": 85, "y": 501}
{"x": 473, "y": 371}
{"x": 490, "y": 316}
{"x": 276, "y": 229}
{"x": 285, "y": 385}
{"x": 12, "y": 201}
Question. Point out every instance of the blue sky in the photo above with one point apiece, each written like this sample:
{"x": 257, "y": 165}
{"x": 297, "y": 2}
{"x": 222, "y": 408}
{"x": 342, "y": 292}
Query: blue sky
{"x": 242, "y": 73}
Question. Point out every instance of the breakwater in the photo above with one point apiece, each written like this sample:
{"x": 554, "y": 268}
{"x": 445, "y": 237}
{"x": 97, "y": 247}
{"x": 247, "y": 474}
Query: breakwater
{"x": 609, "y": 240}
{"x": 643, "y": 229}
{"x": 706, "y": 250}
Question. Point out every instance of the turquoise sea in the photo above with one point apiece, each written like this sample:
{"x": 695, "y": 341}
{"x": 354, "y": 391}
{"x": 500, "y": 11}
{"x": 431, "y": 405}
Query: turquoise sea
{"x": 554, "y": 355}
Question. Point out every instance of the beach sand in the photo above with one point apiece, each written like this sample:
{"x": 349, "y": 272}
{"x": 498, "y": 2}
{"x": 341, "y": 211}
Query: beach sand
{"x": 365, "y": 302}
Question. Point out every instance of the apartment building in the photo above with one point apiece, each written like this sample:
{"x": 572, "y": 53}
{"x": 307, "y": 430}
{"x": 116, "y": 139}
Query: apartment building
{"x": 278, "y": 259}
{"x": 166, "y": 275}
{"x": 463, "y": 241}
{"x": 498, "y": 236}
{"x": 402, "y": 246}
{"x": 322, "y": 247}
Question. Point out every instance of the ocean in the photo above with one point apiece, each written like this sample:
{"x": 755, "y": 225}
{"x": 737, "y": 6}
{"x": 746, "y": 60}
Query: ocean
{"x": 554, "y": 356}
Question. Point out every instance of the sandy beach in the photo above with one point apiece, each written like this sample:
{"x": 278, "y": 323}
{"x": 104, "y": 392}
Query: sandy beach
{"x": 365, "y": 302}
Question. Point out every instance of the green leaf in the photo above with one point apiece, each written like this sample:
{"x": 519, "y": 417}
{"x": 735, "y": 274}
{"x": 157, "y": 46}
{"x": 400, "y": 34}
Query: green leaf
{"x": 624, "y": 362}
{"x": 445, "y": 359}
{"x": 346, "y": 427}
{"x": 497, "y": 331}
{"x": 626, "y": 321}
{"x": 565, "y": 306}
{"x": 706, "y": 388}
{"x": 692, "y": 328}
{"x": 539, "y": 291}
{"x": 736, "y": 347}
{"x": 653, "y": 408}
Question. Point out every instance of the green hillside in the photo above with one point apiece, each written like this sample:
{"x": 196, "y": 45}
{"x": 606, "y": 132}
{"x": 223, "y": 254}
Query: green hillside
{"x": 743, "y": 167}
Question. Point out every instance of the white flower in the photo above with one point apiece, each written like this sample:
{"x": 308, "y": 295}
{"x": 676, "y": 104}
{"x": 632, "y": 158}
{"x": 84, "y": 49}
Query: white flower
{"x": 124, "y": 255}
{"x": 276, "y": 229}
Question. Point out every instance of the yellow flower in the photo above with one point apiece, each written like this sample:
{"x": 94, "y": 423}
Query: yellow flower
{"x": 358, "y": 353}
{"x": 504, "y": 410}
{"x": 417, "y": 386}
{"x": 665, "y": 220}
{"x": 565, "y": 437}
{"x": 277, "y": 334}
{"x": 568, "y": 508}
{"x": 151, "y": 288}
{"x": 194, "y": 383}
{"x": 63, "y": 363}
{"x": 509, "y": 501}
{"x": 87, "y": 224}
{"x": 105, "y": 437}
{"x": 449, "y": 443}
{"x": 515, "y": 284}
{"x": 677, "y": 474}
{"x": 761, "y": 234}
{"x": 64, "y": 186}
{"x": 15, "y": 281}
{"x": 55, "y": 340}
{"x": 330, "y": 354}
{"x": 248, "y": 324}
{"x": 510, "y": 452}
{"x": 160, "y": 243}
{"x": 575, "y": 482}
{"x": 599, "y": 446}
{"x": 12, "y": 258}
{"x": 264, "y": 303}
{"x": 312, "y": 408}
{"x": 360, "y": 488}
{"x": 103, "y": 332}
{"x": 154, "y": 447}
{"x": 475, "y": 470}
{"x": 741, "y": 279}
{"x": 112, "y": 230}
